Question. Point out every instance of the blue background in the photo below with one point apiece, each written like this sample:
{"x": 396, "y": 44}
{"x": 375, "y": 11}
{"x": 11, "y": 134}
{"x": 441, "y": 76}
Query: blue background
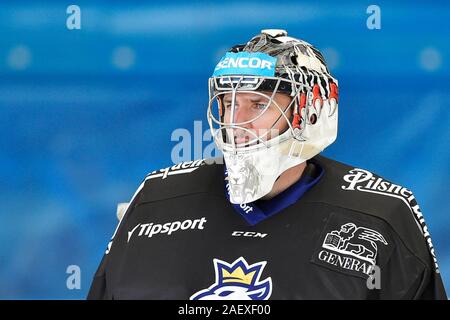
{"x": 85, "y": 114}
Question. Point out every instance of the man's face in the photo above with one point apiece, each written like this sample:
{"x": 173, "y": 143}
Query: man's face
{"x": 248, "y": 106}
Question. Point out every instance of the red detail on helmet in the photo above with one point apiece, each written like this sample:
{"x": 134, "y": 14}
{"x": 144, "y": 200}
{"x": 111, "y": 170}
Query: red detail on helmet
{"x": 316, "y": 96}
{"x": 298, "y": 111}
{"x": 302, "y": 102}
{"x": 334, "y": 92}
{"x": 296, "y": 121}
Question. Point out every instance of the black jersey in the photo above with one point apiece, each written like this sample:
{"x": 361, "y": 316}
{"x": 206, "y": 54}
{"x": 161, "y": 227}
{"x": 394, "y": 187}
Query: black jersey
{"x": 353, "y": 235}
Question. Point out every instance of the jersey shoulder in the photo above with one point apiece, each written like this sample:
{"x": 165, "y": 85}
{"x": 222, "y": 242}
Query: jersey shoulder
{"x": 175, "y": 182}
{"x": 184, "y": 179}
{"x": 364, "y": 191}
{"x": 368, "y": 193}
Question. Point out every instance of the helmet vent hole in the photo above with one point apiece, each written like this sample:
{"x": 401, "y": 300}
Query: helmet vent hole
{"x": 273, "y": 40}
{"x": 294, "y": 60}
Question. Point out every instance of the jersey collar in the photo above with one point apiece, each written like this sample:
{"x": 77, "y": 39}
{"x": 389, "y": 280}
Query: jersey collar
{"x": 257, "y": 211}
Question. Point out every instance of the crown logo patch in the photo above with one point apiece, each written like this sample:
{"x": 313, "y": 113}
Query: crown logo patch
{"x": 237, "y": 281}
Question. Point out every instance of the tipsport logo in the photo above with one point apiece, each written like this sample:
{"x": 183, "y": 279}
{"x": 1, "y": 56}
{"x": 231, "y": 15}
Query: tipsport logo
{"x": 245, "y": 63}
{"x": 151, "y": 229}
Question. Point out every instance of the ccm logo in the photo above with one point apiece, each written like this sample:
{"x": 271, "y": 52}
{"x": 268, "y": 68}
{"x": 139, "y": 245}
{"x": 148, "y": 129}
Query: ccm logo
{"x": 248, "y": 234}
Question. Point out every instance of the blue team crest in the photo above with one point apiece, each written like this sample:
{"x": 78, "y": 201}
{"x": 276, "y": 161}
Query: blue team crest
{"x": 237, "y": 281}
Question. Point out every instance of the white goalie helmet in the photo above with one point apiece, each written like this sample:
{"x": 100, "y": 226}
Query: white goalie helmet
{"x": 283, "y": 79}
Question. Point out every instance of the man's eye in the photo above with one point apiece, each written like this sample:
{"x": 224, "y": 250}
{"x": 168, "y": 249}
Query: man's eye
{"x": 260, "y": 106}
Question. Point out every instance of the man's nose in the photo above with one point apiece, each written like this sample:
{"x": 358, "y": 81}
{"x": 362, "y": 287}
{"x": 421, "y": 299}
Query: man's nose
{"x": 242, "y": 114}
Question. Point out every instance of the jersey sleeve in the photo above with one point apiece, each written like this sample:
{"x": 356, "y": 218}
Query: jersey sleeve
{"x": 412, "y": 271}
{"x": 99, "y": 286}
{"x": 432, "y": 288}
{"x": 407, "y": 276}
{"x": 98, "y": 290}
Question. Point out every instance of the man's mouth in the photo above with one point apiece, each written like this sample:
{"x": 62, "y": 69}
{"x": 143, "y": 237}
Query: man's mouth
{"x": 240, "y": 140}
